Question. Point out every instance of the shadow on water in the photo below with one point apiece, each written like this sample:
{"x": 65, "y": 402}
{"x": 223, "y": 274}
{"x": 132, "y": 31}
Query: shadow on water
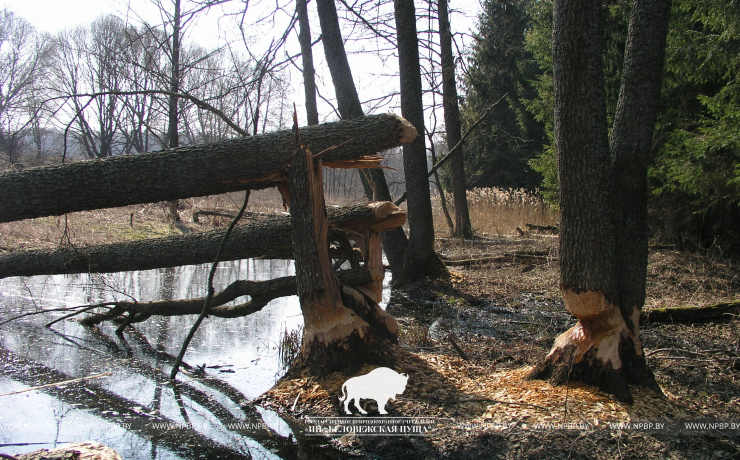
{"x": 136, "y": 410}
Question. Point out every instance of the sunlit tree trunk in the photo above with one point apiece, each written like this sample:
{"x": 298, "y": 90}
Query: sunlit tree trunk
{"x": 463, "y": 227}
{"x": 419, "y": 258}
{"x": 343, "y": 327}
{"x": 376, "y": 189}
{"x": 309, "y": 75}
{"x": 603, "y": 194}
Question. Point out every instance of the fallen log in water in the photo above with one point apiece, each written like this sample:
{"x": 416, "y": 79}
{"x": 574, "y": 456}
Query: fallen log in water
{"x": 260, "y": 293}
{"x": 269, "y": 238}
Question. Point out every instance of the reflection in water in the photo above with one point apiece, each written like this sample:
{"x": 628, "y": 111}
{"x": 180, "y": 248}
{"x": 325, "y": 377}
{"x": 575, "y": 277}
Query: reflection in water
{"x": 121, "y": 410}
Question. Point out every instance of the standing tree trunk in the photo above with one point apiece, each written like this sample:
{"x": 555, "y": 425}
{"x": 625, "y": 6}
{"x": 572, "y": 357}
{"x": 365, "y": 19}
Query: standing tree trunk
{"x": 463, "y": 227}
{"x": 419, "y": 258}
{"x": 603, "y": 194}
{"x": 173, "y": 135}
{"x": 376, "y": 189}
{"x": 632, "y": 136}
{"x": 309, "y": 75}
{"x": 335, "y": 337}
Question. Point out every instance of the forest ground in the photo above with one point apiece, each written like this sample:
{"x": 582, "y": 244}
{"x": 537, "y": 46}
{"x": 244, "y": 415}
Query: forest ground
{"x": 504, "y": 315}
{"x": 502, "y": 307}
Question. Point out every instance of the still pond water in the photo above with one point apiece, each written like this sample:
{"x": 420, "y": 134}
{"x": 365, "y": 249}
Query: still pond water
{"x": 135, "y": 410}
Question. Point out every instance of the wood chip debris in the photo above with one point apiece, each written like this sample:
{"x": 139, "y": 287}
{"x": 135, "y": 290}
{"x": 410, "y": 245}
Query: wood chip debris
{"x": 440, "y": 385}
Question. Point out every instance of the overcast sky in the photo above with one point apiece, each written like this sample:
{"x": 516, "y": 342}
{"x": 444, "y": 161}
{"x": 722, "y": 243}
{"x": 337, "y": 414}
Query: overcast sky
{"x": 56, "y": 15}
{"x": 372, "y": 76}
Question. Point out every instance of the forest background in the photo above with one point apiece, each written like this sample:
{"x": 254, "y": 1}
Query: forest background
{"x": 100, "y": 89}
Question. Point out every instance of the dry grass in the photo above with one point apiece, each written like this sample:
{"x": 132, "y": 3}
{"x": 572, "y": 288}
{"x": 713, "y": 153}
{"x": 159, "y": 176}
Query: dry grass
{"x": 674, "y": 278}
{"x": 127, "y": 223}
{"x": 496, "y": 211}
{"x": 86, "y": 228}
{"x": 678, "y": 278}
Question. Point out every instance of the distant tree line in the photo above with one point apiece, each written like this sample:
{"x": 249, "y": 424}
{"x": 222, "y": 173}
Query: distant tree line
{"x": 105, "y": 89}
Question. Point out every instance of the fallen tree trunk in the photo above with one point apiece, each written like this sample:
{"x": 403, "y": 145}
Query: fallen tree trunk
{"x": 198, "y": 170}
{"x": 717, "y": 312}
{"x": 269, "y": 238}
{"x": 511, "y": 257}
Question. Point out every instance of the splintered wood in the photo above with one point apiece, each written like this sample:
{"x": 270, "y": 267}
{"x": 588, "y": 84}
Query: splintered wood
{"x": 448, "y": 387}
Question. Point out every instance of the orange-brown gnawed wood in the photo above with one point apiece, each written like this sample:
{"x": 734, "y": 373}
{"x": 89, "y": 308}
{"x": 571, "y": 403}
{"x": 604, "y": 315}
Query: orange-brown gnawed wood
{"x": 602, "y": 349}
{"x": 372, "y": 252}
{"x": 366, "y": 162}
{"x": 408, "y": 132}
{"x": 600, "y": 325}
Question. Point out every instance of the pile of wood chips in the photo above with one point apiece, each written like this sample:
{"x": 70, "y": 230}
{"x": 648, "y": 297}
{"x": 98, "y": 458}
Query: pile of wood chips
{"x": 448, "y": 387}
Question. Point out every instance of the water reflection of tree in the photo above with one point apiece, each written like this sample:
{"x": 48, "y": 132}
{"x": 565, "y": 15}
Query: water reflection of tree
{"x": 114, "y": 408}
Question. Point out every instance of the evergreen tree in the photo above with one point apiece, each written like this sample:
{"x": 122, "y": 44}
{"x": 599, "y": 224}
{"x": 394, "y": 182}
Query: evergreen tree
{"x": 696, "y": 169}
{"x": 499, "y": 150}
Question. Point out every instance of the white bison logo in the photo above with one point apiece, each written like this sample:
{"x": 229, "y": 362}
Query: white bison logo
{"x": 380, "y": 384}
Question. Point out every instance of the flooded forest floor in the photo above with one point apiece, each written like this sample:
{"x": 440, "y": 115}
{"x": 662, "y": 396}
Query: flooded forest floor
{"x": 467, "y": 343}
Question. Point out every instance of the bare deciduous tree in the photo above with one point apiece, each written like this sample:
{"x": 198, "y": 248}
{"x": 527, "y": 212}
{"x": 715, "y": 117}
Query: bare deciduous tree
{"x": 23, "y": 53}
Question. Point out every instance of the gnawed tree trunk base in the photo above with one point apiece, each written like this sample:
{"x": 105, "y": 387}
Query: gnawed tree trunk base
{"x": 344, "y": 327}
{"x": 359, "y": 333}
{"x": 601, "y": 350}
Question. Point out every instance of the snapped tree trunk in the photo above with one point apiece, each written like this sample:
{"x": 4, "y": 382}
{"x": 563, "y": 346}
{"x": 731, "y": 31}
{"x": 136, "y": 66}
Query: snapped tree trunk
{"x": 197, "y": 170}
{"x": 603, "y": 285}
{"x": 463, "y": 227}
{"x": 419, "y": 259}
{"x": 269, "y": 238}
{"x": 343, "y": 328}
{"x": 376, "y": 189}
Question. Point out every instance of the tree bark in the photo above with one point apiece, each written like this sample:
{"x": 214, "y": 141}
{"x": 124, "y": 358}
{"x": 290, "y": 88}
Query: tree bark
{"x": 269, "y": 238}
{"x": 463, "y": 227}
{"x": 173, "y": 114}
{"x": 631, "y": 142}
{"x": 376, "y": 189}
{"x": 602, "y": 285}
{"x": 335, "y": 337}
{"x": 199, "y": 170}
{"x": 419, "y": 258}
{"x": 309, "y": 74}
